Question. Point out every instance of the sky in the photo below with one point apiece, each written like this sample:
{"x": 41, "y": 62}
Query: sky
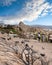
{"x": 31, "y": 12}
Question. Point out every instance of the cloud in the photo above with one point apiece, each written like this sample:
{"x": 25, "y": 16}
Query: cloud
{"x": 31, "y": 11}
{"x": 6, "y": 2}
{"x": 35, "y": 9}
{"x": 10, "y": 20}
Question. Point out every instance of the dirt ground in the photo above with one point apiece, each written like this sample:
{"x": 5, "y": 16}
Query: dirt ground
{"x": 45, "y": 48}
{"x": 7, "y": 53}
{"x": 42, "y": 47}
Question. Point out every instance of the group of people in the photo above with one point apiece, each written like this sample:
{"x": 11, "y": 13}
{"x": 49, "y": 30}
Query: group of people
{"x": 41, "y": 37}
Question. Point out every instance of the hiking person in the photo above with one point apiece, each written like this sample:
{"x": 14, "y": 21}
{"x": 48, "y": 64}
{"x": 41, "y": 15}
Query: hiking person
{"x": 39, "y": 36}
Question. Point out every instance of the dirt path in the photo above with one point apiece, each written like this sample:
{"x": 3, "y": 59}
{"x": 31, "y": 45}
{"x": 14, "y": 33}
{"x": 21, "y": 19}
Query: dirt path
{"x": 42, "y": 47}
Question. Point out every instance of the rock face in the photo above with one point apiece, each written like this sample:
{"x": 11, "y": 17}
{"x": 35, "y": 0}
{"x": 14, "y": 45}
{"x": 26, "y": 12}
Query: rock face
{"x": 23, "y": 26}
{"x": 26, "y": 28}
{"x": 10, "y": 51}
{"x": 8, "y": 55}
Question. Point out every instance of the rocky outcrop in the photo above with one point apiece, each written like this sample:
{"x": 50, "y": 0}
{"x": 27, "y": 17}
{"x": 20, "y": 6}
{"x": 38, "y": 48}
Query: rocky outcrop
{"x": 26, "y": 28}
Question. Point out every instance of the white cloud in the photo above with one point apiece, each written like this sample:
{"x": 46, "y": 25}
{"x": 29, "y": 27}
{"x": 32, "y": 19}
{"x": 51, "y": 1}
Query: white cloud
{"x": 47, "y": 10}
{"x": 44, "y": 14}
{"x": 6, "y": 2}
{"x": 32, "y": 10}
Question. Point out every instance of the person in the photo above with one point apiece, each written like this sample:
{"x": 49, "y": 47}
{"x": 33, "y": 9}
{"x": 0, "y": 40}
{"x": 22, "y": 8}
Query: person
{"x": 39, "y": 36}
{"x": 43, "y": 37}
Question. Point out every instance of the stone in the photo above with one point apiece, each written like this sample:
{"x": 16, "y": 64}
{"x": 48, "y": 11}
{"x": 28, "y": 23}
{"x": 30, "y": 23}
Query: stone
{"x": 37, "y": 62}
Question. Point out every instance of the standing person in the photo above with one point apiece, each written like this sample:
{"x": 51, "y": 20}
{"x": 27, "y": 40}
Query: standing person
{"x": 43, "y": 38}
{"x": 39, "y": 36}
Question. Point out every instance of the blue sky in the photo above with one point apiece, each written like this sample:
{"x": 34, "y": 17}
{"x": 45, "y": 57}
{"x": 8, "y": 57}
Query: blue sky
{"x": 31, "y": 12}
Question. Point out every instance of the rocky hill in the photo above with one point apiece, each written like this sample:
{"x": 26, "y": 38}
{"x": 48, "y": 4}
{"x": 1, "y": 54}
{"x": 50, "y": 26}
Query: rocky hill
{"x": 11, "y": 51}
{"x": 26, "y": 28}
{"x": 22, "y": 27}
{"x": 11, "y": 45}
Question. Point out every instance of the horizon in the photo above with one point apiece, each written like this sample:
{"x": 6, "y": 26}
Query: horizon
{"x": 26, "y": 24}
{"x": 30, "y": 12}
